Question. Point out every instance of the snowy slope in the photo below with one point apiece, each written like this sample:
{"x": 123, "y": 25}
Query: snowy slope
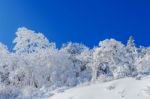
{"x": 127, "y": 88}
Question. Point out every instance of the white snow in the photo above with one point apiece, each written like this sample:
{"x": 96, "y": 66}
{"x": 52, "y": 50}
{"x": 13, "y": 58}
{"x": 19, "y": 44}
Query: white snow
{"x": 126, "y": 88}
{"x": 36, "y": 69}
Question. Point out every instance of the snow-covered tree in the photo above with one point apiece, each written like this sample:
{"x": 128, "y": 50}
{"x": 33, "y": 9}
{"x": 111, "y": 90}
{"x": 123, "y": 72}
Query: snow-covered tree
{"x": 109, "y": 59}
{"x": 27, "y": 41}
{"x": 76, "y": 52}
{"x": 131, "y": 45}
{"x": 40, "y": 63}
{"x": 131, "y": 53}
{"x": 5, "y": 63}
{"x": 142, "y": 63}
{"x": 85, "y": 59}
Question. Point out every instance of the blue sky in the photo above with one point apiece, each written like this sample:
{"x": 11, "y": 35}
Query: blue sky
{"x": 83, "y": 21}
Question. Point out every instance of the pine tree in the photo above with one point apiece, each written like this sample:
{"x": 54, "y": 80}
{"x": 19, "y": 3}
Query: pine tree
{"x": 131, "y": 45}
{"x": 131, "y": 52}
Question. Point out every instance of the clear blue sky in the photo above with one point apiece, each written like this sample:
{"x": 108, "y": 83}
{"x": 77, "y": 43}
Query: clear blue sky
{"x": 85, "y": 21}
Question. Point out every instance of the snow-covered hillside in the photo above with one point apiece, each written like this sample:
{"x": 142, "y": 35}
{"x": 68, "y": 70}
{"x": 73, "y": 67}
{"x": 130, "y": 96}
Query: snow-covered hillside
{"x": 126, "y": 88}
{"x": 36, "y": 69}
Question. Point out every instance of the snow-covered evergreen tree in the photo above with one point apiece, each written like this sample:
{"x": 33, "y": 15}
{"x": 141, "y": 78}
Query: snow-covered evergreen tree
{"x": 132, "y": 54}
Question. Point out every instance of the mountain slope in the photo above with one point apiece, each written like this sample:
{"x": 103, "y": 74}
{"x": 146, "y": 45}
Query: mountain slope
{"x": 127, "y": 88}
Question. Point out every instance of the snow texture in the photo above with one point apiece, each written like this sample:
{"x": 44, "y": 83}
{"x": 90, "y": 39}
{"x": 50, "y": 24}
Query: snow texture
{"x": 126, "y": 88}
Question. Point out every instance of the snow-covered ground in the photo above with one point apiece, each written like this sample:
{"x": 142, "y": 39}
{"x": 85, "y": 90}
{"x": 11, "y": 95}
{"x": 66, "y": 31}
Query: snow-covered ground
{"x": 126, "y": 88}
